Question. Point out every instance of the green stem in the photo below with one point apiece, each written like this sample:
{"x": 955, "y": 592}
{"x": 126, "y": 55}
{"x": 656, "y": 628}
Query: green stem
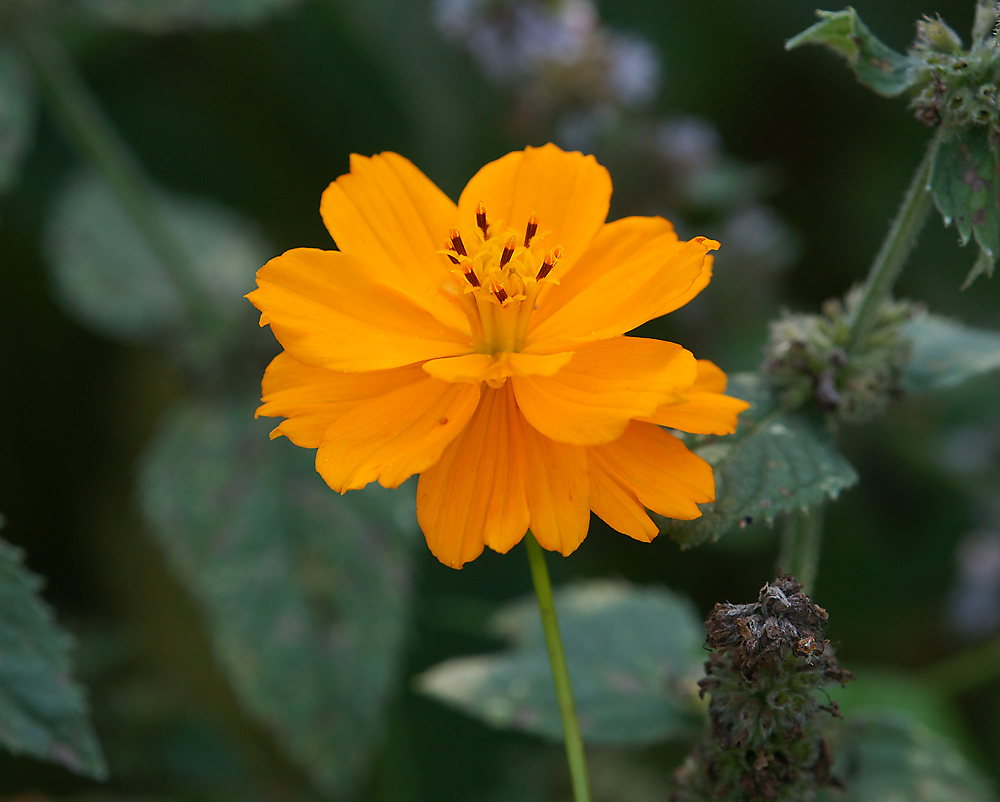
{"x": 98, "y": 140}
{"x": 560, "y": 671}
{"x": 969, "y": 669}
{"x": 800, "y": 545}
{"x": 892, "y": 255}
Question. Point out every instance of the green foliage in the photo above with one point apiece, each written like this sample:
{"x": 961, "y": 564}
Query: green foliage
{"x": 882, "y": 758}
{"x": 809, "y": 357}
{"x": 107, "y": 275}
{"x": 966, "y": 187}
{"x": 17, "y": 115}
{"x": 877, "y": 66}
{"x": 306, "y": 593}
{"x": 633, "y": 656}
{"x": 775, "y": 463}
{"x": 946, "y": 353}
{"x": 42, "y": 710}
{"x": 903, "y": 692}
{"x": 158, "y": 16}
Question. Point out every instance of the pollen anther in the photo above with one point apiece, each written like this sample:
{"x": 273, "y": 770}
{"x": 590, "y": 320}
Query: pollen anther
{"x": 497, "y": 289}
{"x": 470, "y": 275}
{"x": 551, "y": 258}
{"x": 529, "y": 231}
{"x": 456, "y": 241}
{"x": 481, "y": 219}
{"x": 508, "y": 251}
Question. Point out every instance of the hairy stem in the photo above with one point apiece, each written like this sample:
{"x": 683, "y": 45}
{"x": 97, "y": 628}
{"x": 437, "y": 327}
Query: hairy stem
{"x": 895, "y": 248}
{"x": 560, "y": 672}
{"x": 95, "y": 136}
{"x": 800, "y": 545}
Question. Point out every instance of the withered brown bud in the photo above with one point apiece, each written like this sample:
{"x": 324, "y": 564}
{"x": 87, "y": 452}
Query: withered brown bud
{"x": 769, "y": 663}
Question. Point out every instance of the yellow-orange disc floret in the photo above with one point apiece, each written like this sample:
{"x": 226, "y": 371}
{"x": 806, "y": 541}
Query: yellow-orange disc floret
{"x": 483, "y": 346}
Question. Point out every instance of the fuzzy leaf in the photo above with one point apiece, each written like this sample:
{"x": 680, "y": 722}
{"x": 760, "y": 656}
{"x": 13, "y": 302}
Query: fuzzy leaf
{"x": 17, "y": 115}
{"x": 634, "y": 657}
{"x": 966, "y": 184}
{"x": 160, "y": 16}
{"x": 881, "y": 757}
{"x": 42, "y": 710}
{"x": 947, "y": 354}
{"x": 774, "y": 464}
{"x": 306, "y": 593}
{"x": 106, "y": 274}
{"x": 877, "y": 66}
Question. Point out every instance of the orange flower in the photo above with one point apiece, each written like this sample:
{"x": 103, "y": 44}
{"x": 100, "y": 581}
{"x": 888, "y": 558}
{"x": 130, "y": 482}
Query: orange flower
{"x": 482, "y": 346}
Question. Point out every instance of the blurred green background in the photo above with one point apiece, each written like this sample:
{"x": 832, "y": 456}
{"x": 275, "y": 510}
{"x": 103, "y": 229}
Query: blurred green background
{"x": 260, "y": 118}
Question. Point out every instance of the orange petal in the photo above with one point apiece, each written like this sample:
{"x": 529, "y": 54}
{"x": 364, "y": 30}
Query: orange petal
{"x": 557, "y": 490}
{"x": 657, "y": 469}
{"x": 312, "y": 398}
{"x": 706, "y": 411}
{"x": 617, "y": 506}
{"x": 389, "y": 215}
{"x": 635, "y": 270}
{"x": 711, "y": 378}
{"x": 605, "y": 385}
{"x": 474, "y": 496}
{"x": 487, "y": 367}
{"x": 393, "y": 436}
{"x": 326, "y": 310}
{"x": 568, "y": 192}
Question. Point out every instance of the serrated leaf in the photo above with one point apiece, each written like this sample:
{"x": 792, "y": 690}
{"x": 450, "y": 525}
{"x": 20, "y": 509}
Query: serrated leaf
{"x": 634, "y": 656}
{"x": 774, "y": 464}
{"x": 42, "y": 709}
{"x": 106, "y": 274}
{"x": 17, "y": 115}
{"x": 965, "y": 181}
{"x": 882, "y": 757}
{"x": 946, "y": 353}
{"x": 877, "y": 66}
{"x": 159, "y": 16}
{"x": 306, "y": 593}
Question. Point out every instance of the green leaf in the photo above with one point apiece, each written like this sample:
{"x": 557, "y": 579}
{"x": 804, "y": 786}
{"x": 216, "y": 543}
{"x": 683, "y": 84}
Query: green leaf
{"x": 775, "y": 463}
{"x": 877, "y": 66}
{"x": 965, "y": 181}
{"x": 17, "y": 115}
{"x": 106, "y": 274}
{"x": 878, "y": 688}
{"x": 42, "y": 710}
{"x": 160, "y": 16}
{"x": 634, "y": 655}
{"x": 306, "y": 593}
{"x": 947, "y": 354}
{"x": 882, "y": 757}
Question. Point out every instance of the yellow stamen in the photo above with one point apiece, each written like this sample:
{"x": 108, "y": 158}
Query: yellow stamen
{"x": 456, "y": 241}
{"x": 481, "y": 220}
{"x": 448, "y": 247}
{"x": 470, "y": 274}
{"x": 529, "y": 231}
{"x": 497, "y": 289}
{"x": 508, "y": 251}
{"x": 551, "y": 258}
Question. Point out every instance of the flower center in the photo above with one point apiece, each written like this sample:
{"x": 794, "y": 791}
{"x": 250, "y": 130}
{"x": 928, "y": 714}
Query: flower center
{"x": 503, "y": 270}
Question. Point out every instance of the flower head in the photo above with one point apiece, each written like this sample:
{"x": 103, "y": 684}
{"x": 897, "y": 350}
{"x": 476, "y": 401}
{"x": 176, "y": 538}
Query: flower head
{"x": 482, "y": 345}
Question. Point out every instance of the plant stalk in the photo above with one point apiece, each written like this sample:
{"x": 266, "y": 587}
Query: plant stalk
{"x": 560, "y": 671}
{"x": 800, "y": 545}
{"x": 898, "y": 243}
{"x": 95, "y": 136}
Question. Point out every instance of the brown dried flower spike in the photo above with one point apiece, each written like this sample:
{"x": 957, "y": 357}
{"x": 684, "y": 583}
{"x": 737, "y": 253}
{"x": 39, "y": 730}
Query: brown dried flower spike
{"x": 770, "y": 658}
